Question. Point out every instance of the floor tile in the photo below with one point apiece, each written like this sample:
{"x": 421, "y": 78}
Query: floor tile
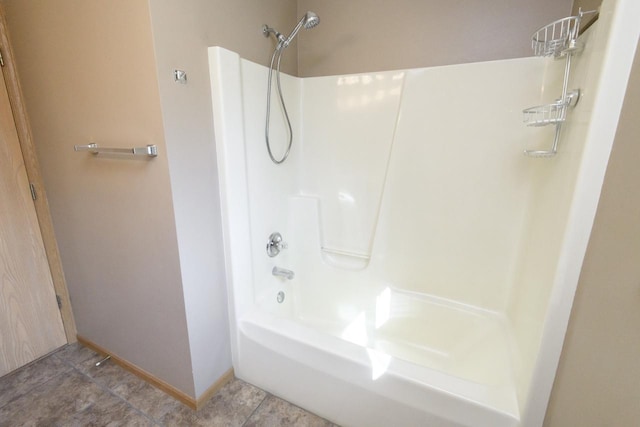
{"x": 58, "y": 398}
{"x": 109, "y": 411}
{"x": 152, "y": 402}
{"x": 231, "y": 406}
{"x": 26, "y": 378}
{"x": 74, "y": 354}
{"x": 275, "y": 412}
{"x": 67, "y": 389}
{"x": 128, "y": 386}
{"x": 108, "y": 374}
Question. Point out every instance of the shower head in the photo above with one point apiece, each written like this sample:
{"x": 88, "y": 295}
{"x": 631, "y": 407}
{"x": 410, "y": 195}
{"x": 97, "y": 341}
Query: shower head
{"x": 308, "y": 21}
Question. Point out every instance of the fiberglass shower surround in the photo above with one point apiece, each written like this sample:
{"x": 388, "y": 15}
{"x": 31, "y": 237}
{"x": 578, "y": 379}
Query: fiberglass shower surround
{"x": 422, "y": 248}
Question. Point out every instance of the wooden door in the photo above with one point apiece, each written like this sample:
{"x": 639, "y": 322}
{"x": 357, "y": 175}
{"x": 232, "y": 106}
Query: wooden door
{"x": 30, "y": 322}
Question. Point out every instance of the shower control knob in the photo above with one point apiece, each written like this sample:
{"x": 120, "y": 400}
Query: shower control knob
{"x": 275, "y": 244}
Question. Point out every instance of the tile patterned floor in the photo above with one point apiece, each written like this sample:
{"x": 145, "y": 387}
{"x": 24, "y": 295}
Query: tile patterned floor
{"x": 67, "y": 389}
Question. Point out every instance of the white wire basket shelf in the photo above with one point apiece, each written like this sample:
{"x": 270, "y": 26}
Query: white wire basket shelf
{"x": 550, "y": 114}
{"x": 543, "y": 115}
{"x": 556, "y": 38}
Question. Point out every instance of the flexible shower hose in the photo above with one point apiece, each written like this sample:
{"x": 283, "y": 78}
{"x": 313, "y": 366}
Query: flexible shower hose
{"x": 277, "y": 52}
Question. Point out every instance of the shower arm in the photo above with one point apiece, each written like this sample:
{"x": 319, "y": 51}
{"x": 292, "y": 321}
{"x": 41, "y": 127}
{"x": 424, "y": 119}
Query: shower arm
{"x": 266, "y": 30}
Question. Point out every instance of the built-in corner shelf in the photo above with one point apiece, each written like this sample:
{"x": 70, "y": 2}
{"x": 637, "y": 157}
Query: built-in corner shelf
{"x": 558, "y": 39}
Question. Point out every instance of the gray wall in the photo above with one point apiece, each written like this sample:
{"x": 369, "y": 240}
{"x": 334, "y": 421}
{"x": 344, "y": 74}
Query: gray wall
{"x": 88, "y": 73}
{"x": 373, "y": 35}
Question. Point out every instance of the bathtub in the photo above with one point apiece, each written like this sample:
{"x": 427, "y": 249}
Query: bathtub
{"x": 361, "y": 351}
{"x": 434, "y": 265}
{"x": 458, "y": 375}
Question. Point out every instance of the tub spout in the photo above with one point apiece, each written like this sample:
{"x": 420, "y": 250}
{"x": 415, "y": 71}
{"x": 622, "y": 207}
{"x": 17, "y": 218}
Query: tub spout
{"x": 283, "y": 272}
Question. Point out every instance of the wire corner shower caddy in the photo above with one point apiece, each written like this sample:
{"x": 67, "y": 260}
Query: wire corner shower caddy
{"x": 558, "y": 39}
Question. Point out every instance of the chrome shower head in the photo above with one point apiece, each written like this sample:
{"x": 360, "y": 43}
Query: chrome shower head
{"x": 308, "y": 21}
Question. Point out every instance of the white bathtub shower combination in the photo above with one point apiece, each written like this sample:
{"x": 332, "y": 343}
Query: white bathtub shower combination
{"x": 434, "y": 263}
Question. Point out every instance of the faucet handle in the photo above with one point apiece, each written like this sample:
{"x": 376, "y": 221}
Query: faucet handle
{"x": 275, "y": 244}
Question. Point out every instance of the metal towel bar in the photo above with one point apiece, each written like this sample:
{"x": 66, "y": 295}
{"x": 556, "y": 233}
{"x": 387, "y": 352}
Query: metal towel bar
{"x": 149, "y": 150}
